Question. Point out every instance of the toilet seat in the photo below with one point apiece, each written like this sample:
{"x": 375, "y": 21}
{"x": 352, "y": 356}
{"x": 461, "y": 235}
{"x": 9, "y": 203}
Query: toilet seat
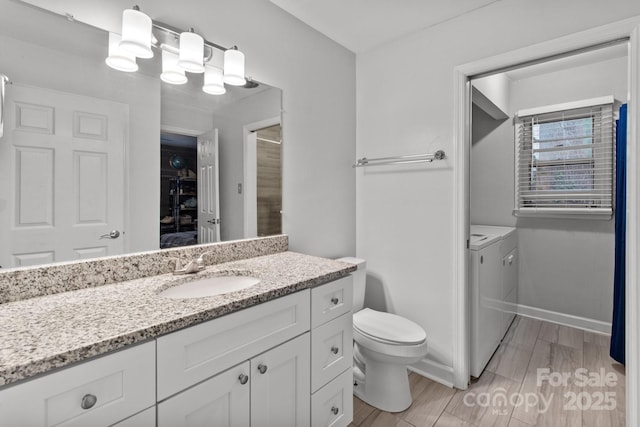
{"x": 387, "y": 328}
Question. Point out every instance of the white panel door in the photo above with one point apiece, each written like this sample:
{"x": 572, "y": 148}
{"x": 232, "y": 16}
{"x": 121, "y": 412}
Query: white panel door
{"x": 62, "y": 157}
{"x": 208, "y": 188}
{"x": 280, "y": 385}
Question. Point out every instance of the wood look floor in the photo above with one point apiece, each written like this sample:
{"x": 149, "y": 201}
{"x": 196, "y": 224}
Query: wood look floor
{"x": 529, "y": 345}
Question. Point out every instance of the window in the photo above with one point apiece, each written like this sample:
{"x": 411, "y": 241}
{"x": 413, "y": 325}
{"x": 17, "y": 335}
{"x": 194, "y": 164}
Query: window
{"x": 564, "y": 160}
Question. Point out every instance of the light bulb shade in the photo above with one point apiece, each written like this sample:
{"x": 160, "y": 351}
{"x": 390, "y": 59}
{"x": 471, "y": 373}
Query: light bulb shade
{"x": 136, "y": 33}
{"x": 234, "y": 67}
{"x": 171, "y": 73}
{"x": 119, "y": 59}
{"x": 191, "y": 52}
{"x": 213, "y": 84}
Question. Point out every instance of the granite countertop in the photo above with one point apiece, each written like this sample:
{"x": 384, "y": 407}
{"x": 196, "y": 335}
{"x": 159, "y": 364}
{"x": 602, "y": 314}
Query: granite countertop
{"x": 43, "y": 333}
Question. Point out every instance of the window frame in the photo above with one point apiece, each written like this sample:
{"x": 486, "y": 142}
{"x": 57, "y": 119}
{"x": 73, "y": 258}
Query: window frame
{"x": 603, "y": 205}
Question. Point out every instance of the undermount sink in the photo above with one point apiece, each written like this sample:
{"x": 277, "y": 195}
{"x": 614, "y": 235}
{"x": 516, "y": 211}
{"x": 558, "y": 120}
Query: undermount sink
{"x": 210, "y": 286}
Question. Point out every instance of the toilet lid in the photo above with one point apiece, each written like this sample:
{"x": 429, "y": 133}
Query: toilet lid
{"x": 388, "y": 327}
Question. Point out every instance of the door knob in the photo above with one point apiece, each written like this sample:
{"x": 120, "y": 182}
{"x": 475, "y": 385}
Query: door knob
{"x": 114, "y": 234}
{"x": 262, "y": 368}
{"x": 243, "y": 379}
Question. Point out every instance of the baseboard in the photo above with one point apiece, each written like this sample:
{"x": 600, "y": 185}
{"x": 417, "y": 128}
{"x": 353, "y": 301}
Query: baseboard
{"x": 564, "y": 319}
{"x": 435, "y": 371}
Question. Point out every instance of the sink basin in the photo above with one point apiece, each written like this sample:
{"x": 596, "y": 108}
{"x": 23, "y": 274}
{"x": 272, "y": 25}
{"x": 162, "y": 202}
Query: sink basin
{"x": 210, "y": 286}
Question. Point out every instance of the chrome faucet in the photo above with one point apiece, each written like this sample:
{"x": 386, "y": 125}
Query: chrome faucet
{"x": 191, "y": 267}
{"x": 200, "y": 260}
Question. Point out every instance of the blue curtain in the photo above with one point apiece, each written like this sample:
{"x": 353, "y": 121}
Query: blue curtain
{"x": 617, "y": 328}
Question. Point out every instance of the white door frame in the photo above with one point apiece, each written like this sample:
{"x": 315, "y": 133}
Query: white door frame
{"x": 628, "y": 28}
{"x": 249, "y": 162}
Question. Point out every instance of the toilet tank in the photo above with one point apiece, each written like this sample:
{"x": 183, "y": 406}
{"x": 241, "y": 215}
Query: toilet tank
{"x": 359, "y": 281}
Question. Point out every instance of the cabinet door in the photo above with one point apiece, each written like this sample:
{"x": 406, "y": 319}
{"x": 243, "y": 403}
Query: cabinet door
{"x": 220, "y": 401}
{"x": 280, "y": 385}
{"x": 145, "y": 418}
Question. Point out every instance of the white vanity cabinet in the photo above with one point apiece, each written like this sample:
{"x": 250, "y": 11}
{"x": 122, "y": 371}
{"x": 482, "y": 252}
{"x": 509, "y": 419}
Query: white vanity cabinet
{"x": 332, "y": 354}
{"x": 285, "y": 362}
{"x": 100, "y": 392}
{"x": 271, "y": 389}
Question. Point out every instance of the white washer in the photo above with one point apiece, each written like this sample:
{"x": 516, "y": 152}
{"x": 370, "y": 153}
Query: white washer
{"x": 494, "y": 279}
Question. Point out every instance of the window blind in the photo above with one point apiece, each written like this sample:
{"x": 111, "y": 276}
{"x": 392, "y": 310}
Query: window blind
{"x": 564, "y": 162}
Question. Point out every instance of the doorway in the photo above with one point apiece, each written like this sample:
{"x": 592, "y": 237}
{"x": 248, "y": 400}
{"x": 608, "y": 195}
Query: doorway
{"x": 178, "y": 190}
{"x": 263, "y": 179}
{"x": 628, "y": 29}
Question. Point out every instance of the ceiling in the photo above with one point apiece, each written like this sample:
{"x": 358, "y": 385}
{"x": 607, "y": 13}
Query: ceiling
{"x": 361, "y": 25}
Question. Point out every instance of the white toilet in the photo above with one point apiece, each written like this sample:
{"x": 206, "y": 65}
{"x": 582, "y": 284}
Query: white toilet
{"x": 384, "y": 344}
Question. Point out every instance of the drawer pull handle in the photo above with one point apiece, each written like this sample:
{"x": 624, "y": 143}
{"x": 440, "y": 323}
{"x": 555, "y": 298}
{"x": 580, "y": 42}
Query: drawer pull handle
{"x": 88, "y": 401}
{"x": 335, "y": 410}
{"x": 262, "y": 368}
{"x": 335, "y": 350}
{"x": 243, "y": 379}
{"x": 335, "y": 301}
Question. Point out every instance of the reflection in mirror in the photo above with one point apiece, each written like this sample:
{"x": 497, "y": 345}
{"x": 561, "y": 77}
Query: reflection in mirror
{"x": 88, "y": 150}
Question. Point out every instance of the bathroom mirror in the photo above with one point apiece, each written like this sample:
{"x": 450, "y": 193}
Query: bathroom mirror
{"x": 89, "y": 152}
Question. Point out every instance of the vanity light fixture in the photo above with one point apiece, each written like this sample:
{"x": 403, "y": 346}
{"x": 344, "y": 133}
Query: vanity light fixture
{"x": 181, "y": 51}
{"x": 171, "y": 72}
{"x": 119, "y": 59}
{"x": 234, "y": 67}
{"x": 191, "y": 52}
{"x": 136, "y": 33}
{"x": 213, "y": 83}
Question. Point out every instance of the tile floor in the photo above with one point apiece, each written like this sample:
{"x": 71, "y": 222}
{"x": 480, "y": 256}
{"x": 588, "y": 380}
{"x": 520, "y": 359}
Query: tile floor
{"x": 512, "y": 392}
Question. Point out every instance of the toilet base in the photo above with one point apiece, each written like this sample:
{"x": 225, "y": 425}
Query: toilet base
{"x": 385, "y": 386}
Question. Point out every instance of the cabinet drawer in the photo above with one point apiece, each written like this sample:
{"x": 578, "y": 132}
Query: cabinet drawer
{"x": 332, "y": 405}
{"x": 331, "y": 350}
{"x": 122, "y": 383}
{"x": 194, "y": 354}
{"x": 331, "y": 300}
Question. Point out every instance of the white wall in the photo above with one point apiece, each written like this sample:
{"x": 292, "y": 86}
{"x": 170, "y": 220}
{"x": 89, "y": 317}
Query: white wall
{"x": 491, "y": 93}
{"x": 405, "y": 217}
{"x": 231, "y": 121}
